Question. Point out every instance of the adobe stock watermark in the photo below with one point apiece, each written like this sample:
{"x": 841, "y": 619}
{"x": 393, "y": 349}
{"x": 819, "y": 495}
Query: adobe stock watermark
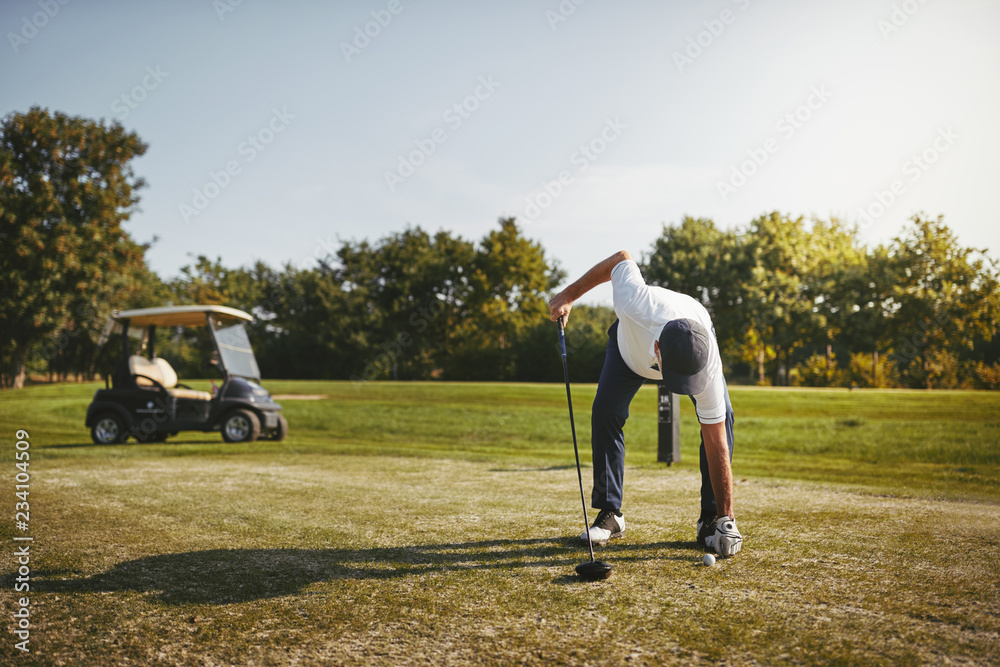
{"x": 325, "y": 247}
{"x": 37, "y": 21}
{"x": 324, "y": 250}
{"x": 249, "y": 149}
{"x": 789, "y": 123}
{"x": 419, "y": 319}
{"x": 363, "y": 35}
{"x": 455, "y": 116}
{"x": 562, "y": 12}
{"x": 576, "y": 336}
{"x": 899, "y": 16}
{"x": 123, "y": 106}
{"x": 60, "y": 340}
{"x": 585, "y": 155}
{"x": 714, "y": 27}
{"x": 911, "y": 346}
{"x": 223, "y": 7}
{"x": 913, "y": 168}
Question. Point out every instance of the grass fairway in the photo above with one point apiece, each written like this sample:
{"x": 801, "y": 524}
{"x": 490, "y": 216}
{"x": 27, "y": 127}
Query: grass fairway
{"x": 433, "y": 524}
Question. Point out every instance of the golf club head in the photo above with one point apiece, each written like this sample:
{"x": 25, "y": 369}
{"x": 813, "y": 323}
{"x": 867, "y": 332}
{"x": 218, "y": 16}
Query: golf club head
{"x": 594, "y": 570}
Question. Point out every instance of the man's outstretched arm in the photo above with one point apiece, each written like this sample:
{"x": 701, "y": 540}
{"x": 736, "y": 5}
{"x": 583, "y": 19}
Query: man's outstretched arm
{"x": 727, "y": 540}
{"x": 562, "y": 303}
{"x": 719, "y": 470}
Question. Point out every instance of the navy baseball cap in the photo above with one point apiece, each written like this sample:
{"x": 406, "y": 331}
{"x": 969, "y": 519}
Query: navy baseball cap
{"x": 684, "y": 347}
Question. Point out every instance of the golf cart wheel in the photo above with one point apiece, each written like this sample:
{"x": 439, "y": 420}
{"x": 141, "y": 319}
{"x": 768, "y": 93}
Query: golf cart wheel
{"x": 109, "y": 429}
{"x": 281, "y": 430}
{"x": 240, "y": 426}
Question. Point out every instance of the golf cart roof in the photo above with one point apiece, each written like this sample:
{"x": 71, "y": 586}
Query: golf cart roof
{"x": 167, "y": 316}
{"x": 230, "y": 337}
{"x": 173, "y": 316}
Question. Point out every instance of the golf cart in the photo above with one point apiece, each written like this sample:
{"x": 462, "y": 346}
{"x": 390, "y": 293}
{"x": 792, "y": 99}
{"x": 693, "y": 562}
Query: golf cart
{"x": 146, "y": 402}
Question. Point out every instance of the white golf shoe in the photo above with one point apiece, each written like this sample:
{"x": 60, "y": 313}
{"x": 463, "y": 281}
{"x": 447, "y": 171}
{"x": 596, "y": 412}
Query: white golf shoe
{"x": 606, "y": 526}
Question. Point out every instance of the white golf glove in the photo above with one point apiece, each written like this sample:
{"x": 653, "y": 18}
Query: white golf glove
{"x": 727, "y": 540}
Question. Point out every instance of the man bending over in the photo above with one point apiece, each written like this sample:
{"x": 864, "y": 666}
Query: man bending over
{"x": 667, "y": 337}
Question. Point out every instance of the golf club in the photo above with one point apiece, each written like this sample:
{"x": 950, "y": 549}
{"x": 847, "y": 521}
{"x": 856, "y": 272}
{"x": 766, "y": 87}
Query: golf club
{"x": 594, "y": 569}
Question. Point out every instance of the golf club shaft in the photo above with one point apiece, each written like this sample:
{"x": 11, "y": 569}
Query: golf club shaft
{"x": 576, "y": 449}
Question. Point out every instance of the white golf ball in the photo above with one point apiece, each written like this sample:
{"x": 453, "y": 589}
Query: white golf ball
{"x": 708, "y": 560}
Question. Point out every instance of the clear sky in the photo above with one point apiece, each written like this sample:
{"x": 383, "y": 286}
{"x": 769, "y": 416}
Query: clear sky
{"x": 594, "y": 122}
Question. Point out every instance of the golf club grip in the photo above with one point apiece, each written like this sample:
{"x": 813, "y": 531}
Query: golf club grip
{"x": 562, "y": 340}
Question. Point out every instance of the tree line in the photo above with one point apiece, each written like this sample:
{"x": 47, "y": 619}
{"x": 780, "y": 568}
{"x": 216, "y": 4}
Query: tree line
{"x": 794, "y": 301}
{"x": 808, "y": 303}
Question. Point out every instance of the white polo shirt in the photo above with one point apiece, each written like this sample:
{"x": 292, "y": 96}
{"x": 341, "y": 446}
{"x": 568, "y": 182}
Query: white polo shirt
{"x": 642, "y": 311}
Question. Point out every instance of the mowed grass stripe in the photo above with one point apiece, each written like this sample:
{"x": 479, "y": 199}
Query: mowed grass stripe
{"x": 921, "y": 443}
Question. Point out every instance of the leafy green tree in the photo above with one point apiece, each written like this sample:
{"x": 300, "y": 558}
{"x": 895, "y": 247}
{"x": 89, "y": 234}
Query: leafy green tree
{"x": 781, "y": 292}
{"x": 73, "y": 348}
{"x": 690, "y": 258}
{"x": 206, "y": 282}
{"x": 863, "y": 298}
{"x": 404, "y": 298}
{"x": 779, "y": 308}
{"x": 986, "y": 376}
{"x": 303, "y": 327}
{"x": 509, "y": 284}
{"x": 819, "y": 370}
{"x": 711, "y": 265}
{"x": 835, "y": 266}
{"x": 866, "y": 371}
{"x": 290, "y": 342}
{"x": 945, "y": 298}
{"x": 66, "y": 188}
{"x": 538, "y": 353}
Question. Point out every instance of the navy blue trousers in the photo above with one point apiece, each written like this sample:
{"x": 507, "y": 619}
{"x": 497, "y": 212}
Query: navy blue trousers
{"x": 615, "y": 390}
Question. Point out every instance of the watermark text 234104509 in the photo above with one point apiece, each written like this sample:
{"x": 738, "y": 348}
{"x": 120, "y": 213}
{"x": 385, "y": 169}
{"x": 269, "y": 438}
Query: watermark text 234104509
{"x": 22, "y": 551}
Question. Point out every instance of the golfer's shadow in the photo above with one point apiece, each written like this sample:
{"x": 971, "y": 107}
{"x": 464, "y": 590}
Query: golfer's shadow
{"x": 225, "y": 576}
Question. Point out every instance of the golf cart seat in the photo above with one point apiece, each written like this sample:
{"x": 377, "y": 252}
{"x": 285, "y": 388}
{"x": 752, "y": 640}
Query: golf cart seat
{"x": 158, "y": 369}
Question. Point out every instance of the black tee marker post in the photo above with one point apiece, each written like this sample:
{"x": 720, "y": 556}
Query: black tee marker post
{"x": 668, "y": 411}
{"x": 593, "y": 570}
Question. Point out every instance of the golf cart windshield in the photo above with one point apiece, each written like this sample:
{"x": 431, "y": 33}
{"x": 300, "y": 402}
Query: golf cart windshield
{"x": 237, "y": 355}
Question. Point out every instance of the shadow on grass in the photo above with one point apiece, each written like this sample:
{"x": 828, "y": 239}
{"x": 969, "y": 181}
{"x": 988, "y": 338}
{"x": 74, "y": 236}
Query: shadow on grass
{"x": 545, "y": 469}
{"x": 131, "y": 443}
{"x": 226, "y": 576}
